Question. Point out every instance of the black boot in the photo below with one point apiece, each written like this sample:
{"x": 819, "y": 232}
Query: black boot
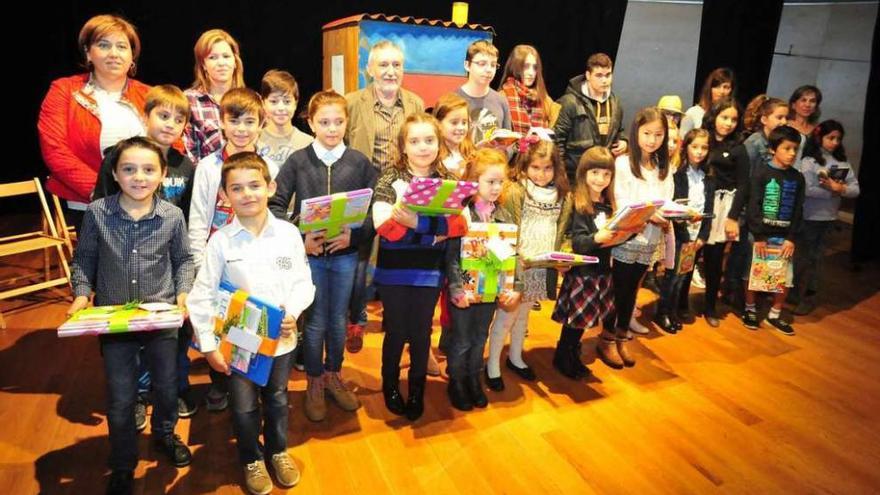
{"x": 475, "y": 390}
{"x": 576, "y": 362}
{"x": 415, "y": 402}
{"x": 393, "y": 399}
{"x": 563, "y": 362}
{"x": 665, "y": 323}
{"x": 458, "y": 395}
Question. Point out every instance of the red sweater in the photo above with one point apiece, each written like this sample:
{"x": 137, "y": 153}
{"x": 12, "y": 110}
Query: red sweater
{"x": 70, "y": 134}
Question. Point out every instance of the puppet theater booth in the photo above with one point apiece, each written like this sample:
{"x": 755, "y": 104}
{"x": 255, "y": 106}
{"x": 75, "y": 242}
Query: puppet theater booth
{"x": 434, "y": 51}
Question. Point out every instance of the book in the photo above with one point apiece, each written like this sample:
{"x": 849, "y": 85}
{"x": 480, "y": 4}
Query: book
{"x": 836, "y": 173}
{"x": 99, "y": 320}
{"x": 488, "y": 261}
{"x": 673, "y": 210}
{"x": 434, "y": 196}
{"x": 557, "y": 259}
{"x": 632, "y": 218}
{"x": 333, "y": 212}
{"x": 770, "y": 273}
{"x": 687, "y": 258}
{"x": 248, "y": 330}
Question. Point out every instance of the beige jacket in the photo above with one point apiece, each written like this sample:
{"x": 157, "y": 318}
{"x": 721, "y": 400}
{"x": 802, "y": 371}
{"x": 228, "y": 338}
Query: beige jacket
{"x": 361, "y": 130}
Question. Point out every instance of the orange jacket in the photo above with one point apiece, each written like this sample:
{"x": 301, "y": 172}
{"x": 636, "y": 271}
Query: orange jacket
{"x": 70, "y": 134}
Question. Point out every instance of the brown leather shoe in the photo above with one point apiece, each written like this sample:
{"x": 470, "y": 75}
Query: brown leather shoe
{"x": 607, "y": 351}
{"x": 625, "y": 356}
{"x": 315, "y": 406}
{"x": 345, "y": 398}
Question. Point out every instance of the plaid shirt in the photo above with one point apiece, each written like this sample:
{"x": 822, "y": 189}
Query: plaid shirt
{"x": 388, "y": 122}
{"x": 202, "y": 135}
{"x": 525, "y": 111}
{"x": 122, "y": 259}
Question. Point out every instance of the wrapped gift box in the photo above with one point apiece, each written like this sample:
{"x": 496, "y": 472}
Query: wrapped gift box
{"x": 488, "y": 260}
{"x": 433, "y": 196}
{"x": 334, "y": 212}
{"x": 122, "y": 319}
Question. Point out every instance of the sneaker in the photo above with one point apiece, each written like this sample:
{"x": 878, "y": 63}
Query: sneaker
{"x": 140, "y": 413}
{"x": 176, "y": 451}
{"x": 315, "y": 407}
{"x": 186, "y": 406}
{"x": 120, "y": 482}
{"x": 285, "y": 469}
{"x": 216, "y": 399}
{"x": 697, "y": 280}
{"x": 345, "y": 398}
{"x": 637, "y": 327}
{"x": 750, "y": 319}
{"x": 784, "y": 327}
{"x": 354, "y": 338}
{"x": 256, "y": 478}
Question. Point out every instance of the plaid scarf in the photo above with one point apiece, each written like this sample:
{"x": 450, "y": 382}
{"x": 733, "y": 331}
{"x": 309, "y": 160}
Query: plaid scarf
{"x": 526, "y": 111}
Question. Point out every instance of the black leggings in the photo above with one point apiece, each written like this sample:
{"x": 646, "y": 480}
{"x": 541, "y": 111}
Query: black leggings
{"x": 626, "y": 277}
{"x": 408, "y": 314}
{"x": 713, "y": 259}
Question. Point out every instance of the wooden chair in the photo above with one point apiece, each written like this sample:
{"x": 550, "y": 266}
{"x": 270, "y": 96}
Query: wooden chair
{"x": 42, "y": 240}
{"x": 66, "y": 232}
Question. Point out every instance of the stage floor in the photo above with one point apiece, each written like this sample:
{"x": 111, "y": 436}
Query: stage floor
{"x": 707, "y": 410}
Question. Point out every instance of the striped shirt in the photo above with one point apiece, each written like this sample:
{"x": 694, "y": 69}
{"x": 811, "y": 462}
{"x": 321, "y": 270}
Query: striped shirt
{"x": 387, "y": 123}
{"x": 122, "y": 259}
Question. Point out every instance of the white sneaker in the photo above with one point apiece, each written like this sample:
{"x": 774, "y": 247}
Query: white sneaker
{"x": 697, "y": 280}
{"x": 637, "y": 327}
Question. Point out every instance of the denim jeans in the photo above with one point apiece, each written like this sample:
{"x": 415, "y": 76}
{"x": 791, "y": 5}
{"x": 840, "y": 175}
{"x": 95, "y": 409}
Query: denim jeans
{"x": 467, "y": 343}
{"x": 183, "y": 340}
{"x": 333, "y": 277}
{"x": 246, "y": 411}
{"x": 121, "y": 369}
{"x": 360, "y": 293}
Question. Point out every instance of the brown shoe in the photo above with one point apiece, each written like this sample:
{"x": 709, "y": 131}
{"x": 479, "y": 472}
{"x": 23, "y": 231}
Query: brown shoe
{"x": 625, "y": 356}
{"x": 285, "y": 469}
{"x": 606, "y": 349}
{"x": 256, "y": 478}
{"x": 354, "y": 338}
{"x": 344, "y": 397}
{"x": 433, "y": 365}
{"x": 315, "y": 406}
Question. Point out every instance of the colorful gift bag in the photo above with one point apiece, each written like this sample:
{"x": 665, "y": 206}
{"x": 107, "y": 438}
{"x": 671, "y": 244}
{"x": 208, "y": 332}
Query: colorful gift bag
{"x": 334, "y": 212}
{"x": 769, "y": 274}
{"x": 488, "y": 261}
{"x": 687, "y": 257}
{"x": 122, "y": 319}
{"x": 433, "y": 196}
{"x": 248, "y": 330}
{"x": 557, "y": 259}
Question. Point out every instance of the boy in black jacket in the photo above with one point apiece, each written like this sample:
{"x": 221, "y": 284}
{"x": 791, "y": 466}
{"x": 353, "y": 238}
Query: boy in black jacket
{"x": 774, "y": 214}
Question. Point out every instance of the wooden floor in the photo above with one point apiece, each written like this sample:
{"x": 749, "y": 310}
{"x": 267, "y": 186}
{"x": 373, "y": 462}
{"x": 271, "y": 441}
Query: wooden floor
{"x": 708, "y": 410}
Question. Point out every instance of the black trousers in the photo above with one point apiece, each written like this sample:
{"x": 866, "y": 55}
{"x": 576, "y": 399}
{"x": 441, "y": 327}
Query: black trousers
{"x": 713, "y": 261}
{"x": 626, "y": 277}
{"x": 408, "y": 314}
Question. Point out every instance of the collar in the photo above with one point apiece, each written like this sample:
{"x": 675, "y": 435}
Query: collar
{"x": 159, "y": 208}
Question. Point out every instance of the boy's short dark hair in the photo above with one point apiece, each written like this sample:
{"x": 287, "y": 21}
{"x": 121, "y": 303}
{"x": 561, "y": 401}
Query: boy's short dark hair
{"x": 167, "y": 95}
{"x": 245, "y": 160}
{"x": 279, "y": 81}
{"x": 783, "y": 133}
{"x": 599, "y": 60}
{"x": 139, "y": 142}
{"x": 239, "y": 101}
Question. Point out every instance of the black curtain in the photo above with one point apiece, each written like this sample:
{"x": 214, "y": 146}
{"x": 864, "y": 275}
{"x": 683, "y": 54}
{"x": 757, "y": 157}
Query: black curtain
{"x": 740, "y": 35}
{"x": 866, "y": 228}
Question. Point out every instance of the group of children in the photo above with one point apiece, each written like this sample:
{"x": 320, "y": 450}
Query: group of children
{"x": 228, "y": 214}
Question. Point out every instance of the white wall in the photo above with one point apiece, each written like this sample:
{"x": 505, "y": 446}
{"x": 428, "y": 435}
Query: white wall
{"x": 831, "y": 49}
{"x": 657, "y": 54}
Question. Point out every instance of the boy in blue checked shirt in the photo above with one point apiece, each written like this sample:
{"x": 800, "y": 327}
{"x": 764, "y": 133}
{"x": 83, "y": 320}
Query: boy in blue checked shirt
{"x": 133, "y": 247}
